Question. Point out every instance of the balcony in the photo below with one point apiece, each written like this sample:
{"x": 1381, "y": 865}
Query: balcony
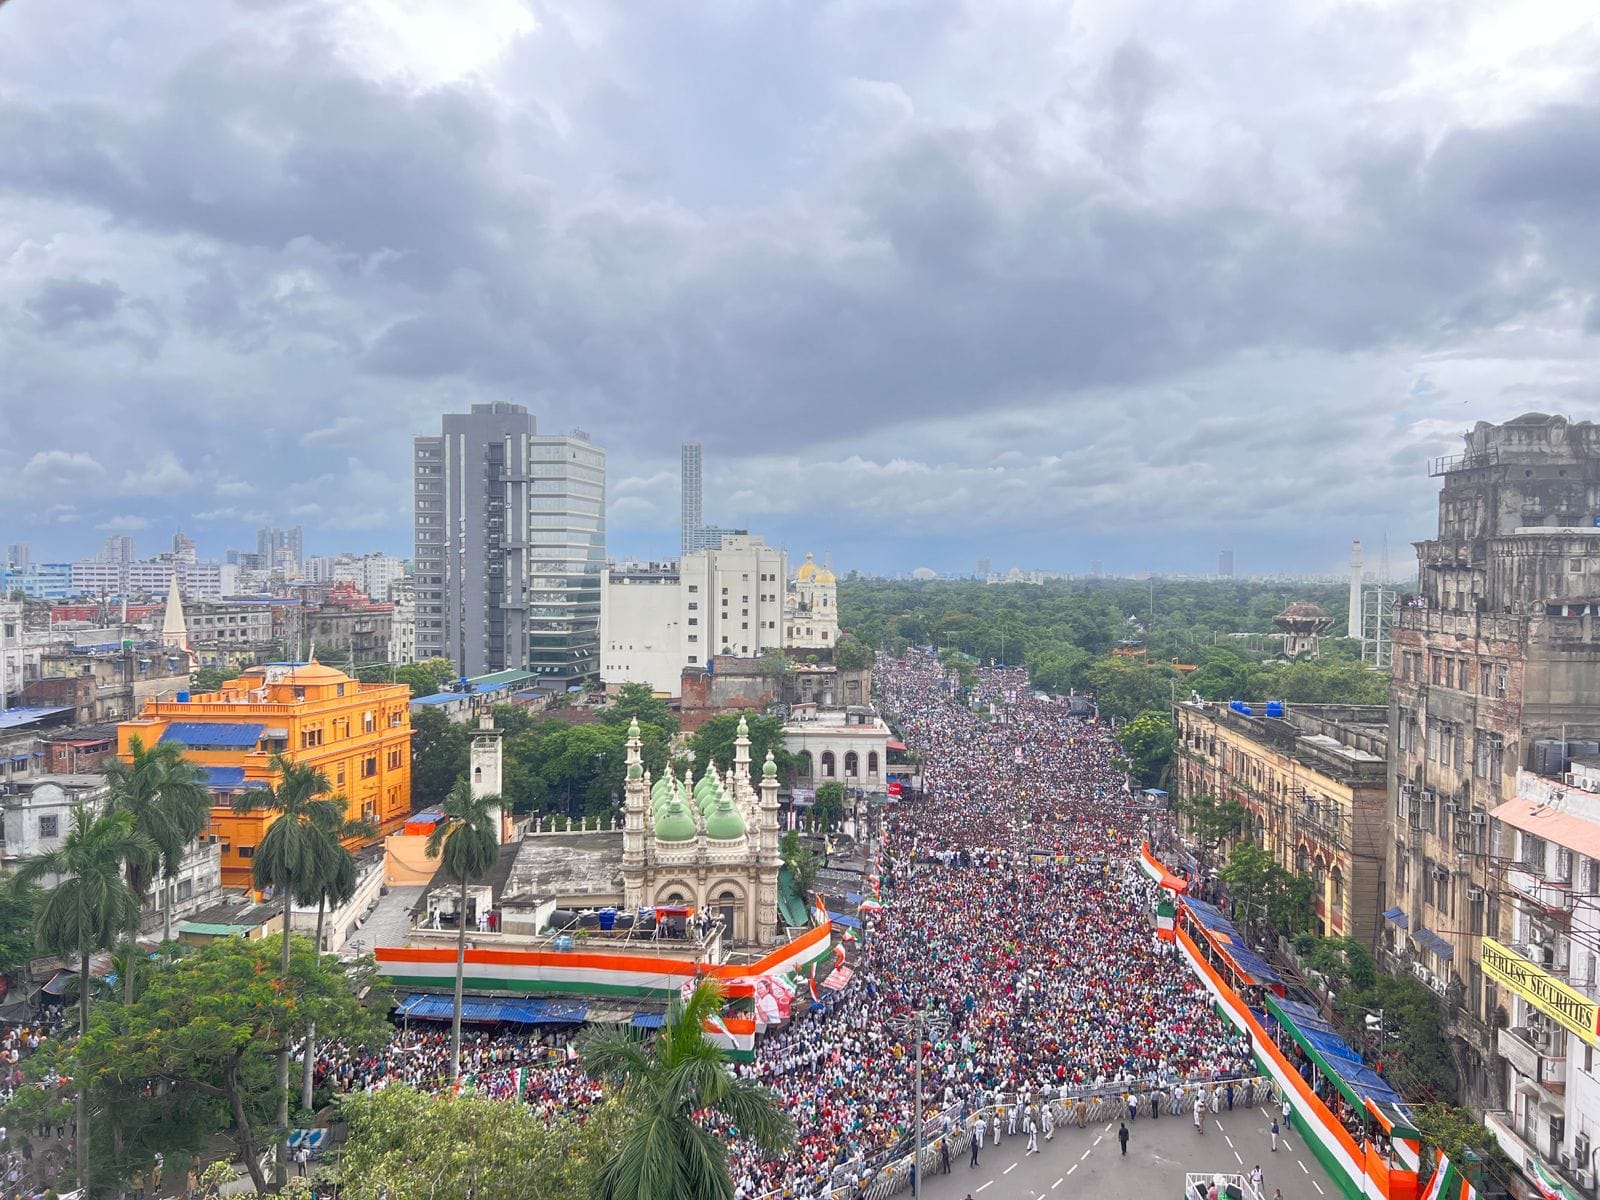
{"x": 1552, "y": 896}
{"x": 1528, "y": 1052}
{"x": 1517, "y": 1048}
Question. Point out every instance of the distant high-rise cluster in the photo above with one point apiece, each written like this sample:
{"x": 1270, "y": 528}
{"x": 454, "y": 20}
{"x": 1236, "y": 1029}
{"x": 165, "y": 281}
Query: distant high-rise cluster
{"x": 1225, "y": 564}
{"x": 279, "y": 548}
{"x": 119, "y": 548}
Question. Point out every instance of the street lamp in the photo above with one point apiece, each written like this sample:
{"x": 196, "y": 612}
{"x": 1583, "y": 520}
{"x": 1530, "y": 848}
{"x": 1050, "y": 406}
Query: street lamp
{"x": 919, "y": 1023}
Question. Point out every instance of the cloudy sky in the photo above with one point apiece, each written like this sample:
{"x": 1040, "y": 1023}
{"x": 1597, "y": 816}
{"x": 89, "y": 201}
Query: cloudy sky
{"x": 1122, "y": 279}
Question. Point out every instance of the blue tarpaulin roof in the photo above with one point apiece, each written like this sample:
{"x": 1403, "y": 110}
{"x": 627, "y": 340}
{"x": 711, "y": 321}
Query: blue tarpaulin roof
{"x": 1304, "y": 1016}
{"x": 1357, "y": 1079}
{"x": 1247, "y": 960}
{"x": 229, "y": 777}
{"x": 522, "y": 1011}
{"x": 1396, "y": 916}
{"x": 648, "y": 1020}
{"x": 213, "y": 733}
{"x": 845, "y": 920}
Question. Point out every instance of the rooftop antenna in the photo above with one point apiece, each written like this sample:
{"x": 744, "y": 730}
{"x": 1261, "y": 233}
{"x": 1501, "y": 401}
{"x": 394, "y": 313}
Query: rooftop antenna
{"x": 1383, "y": 563}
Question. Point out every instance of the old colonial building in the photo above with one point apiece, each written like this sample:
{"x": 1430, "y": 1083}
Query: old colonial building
{"x": 1496, "y": 653}
{"x": 1313, "y": 780}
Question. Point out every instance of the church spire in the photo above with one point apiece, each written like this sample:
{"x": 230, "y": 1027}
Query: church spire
{"x": 174, "y": 631}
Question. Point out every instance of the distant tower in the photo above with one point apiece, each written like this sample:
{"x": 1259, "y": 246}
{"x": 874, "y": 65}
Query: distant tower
{"x": 1383, "y": 563}
{"x": 485, "y": 764}
{"x": 1354, "y": 627}
{"x": 691, "y": 496}
{"x": 1225, "y": 564}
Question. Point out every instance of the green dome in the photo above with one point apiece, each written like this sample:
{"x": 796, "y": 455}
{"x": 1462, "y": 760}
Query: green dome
{"x": 635, "y": 771}
{"x": 724, "y": 822}
{"x": 769, "y": 769}
{"x": 674, "y": 824}
{"x": 658, "y": 792}
{"x": 707, "y": 784}
{"x": 633, "y": 728}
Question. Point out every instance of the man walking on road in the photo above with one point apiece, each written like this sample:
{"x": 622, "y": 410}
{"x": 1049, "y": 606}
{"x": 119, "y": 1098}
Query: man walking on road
{"x": 1274, "y": 1135}
{"x": 1200, "y": 1116}
{"x": 1255, "y": 1178}
{"x": 1029, "y": 1124}
{"x": 1285, "y": 1110}
{"x": 1122, "y": 1136}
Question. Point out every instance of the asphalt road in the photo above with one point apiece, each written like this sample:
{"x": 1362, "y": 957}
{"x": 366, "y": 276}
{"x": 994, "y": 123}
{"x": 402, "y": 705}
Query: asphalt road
{"x": 1089, "y": 1162}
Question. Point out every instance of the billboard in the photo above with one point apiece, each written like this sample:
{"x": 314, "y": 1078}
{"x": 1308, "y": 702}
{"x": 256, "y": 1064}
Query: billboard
{"x": 1571, "y": 1009}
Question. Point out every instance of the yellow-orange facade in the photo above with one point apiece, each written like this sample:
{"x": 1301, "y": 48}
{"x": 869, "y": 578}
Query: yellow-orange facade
{"x": 357, "y": 734}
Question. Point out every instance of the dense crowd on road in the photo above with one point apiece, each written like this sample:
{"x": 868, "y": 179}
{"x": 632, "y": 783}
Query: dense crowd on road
{"x": 1013, "y": 907}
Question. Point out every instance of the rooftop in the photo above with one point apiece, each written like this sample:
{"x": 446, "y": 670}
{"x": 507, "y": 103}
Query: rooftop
{"x": 567, "y": 864}
{"x": 20, "y": 718}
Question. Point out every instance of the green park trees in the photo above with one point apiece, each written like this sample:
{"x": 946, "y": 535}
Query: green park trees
{"x": 714, "y": 741}
{"x": 1147, "y": 740}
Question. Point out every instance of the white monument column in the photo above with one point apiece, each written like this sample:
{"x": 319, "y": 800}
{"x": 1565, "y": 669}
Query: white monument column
{"x": 484, "y": 768}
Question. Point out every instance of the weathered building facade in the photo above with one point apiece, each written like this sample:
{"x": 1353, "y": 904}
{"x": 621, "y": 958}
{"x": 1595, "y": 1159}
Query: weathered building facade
{"x": 1313, "y": 780}
{"x": 1496, "y": 653}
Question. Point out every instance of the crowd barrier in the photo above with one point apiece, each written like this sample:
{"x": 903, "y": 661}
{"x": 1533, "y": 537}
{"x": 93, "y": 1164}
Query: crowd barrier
{"x": 953, "y": 1126}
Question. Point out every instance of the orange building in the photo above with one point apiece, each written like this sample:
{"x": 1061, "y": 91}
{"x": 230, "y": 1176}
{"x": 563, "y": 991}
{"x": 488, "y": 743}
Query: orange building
{"x": 357, "y": 734}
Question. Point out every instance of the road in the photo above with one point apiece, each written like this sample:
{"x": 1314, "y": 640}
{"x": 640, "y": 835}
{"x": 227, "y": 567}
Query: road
{"x": 1089, "y": 1162}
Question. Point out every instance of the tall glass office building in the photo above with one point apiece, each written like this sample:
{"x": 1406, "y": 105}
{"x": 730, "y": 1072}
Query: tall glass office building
{"x": 510, "y": 546}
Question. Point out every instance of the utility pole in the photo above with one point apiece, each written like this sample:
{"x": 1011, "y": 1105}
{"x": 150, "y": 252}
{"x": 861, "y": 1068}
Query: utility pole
{"x": 920, "y": 1023}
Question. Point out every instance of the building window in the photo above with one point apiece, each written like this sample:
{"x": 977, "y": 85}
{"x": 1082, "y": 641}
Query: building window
{"x": 852, "y": 764}
{"x": 828, "y": 771}
{"x": 369, "y": 766}
{"x": 872, "y": 762}
{"x": 50, "y": 826}
{"x": 247, "y": 851}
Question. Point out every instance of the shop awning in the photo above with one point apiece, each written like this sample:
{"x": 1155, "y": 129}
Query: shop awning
{"x": 1396, "y": 916}
{"x": 486, "y": 1010}
{"x": 1435, "y": 943}
{"x": 648, "y": 1020}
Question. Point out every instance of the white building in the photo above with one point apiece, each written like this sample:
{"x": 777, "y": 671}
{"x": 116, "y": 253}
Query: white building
{"x": 204, "y": 581}
{"x": 848, "y": 746}
{"x": 728, "y": 600}
{"x": 1547, "y": 976}
{"x": 403, "y": 625}
{"x": 811, "y": 609}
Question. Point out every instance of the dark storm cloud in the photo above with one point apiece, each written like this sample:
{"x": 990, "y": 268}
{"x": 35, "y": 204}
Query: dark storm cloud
{"x": 822, "y": 227}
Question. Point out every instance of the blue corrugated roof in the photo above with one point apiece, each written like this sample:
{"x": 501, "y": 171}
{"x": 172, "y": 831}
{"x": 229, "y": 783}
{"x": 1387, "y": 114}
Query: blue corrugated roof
{"x": 208, "y": 733}
{"x": 1238, "y": 949}
{"x": 15, "y": 718}
{"x": 439, "y": 698}
{"x": 1396, "y": 916}
{"x": 648, "y": 1020}
{"x": 230, "y": 777}
{"x": 523, "y": 1011}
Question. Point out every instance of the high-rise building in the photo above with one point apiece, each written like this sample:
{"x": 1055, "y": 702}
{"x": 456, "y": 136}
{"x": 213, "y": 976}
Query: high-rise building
{"x": 1225, "y": 564}
{"x": 17, "y": 556}
{"x": 510, "y": 545}
{"x": 691, "y": 498}
{"x": 1496, "y": 668}
{"x": 183, "y": 550}
{"x": 566, "y": 557}
{"x": 985, "y": 568}
{"x": 119, "y": 548}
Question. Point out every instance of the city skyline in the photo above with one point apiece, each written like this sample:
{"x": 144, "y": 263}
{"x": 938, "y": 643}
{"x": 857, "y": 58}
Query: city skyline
{"x": 918, "y": 310}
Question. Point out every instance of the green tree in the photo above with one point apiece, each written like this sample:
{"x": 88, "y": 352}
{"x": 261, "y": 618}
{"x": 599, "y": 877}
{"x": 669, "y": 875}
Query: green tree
{"x": 467, "y": 844}
{"x": 193, "y": 1055}
{"x": 1125, "y": 687}
{"x": 851, "y": 655}
{"x": 714, "y": 742}
{"x": 636, "y": 701}
{"x": 1148, "y": 740}
{"x": 169, "y": 802}
{"x": 19, "y": 903}
{"x": 1211, "y": 821}
{"x": 439, "y": 754}
{"x": 828, "y": 809}
{"x": 1451, "y": 1129}
{"x": 208, "y": 679}
{"x": 292, "y": 857}
{"x": 1261, "y": 887}
{"x": 512, "y": 720}
{"x": 668, "y": 1086}
{"x": 405, "y": 1145}
{"x": 91, "y": 908}
{"x": 802, "y": 861}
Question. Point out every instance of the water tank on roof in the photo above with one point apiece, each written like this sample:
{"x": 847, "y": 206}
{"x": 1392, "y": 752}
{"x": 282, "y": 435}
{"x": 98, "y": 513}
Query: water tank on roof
{"x": 1582, "y": 749}
{"x": 183, "y": 697}
{"x": 1549, "y": 756}
{"x": 1240, "y": 707}
{"x": 1275, "y": 708}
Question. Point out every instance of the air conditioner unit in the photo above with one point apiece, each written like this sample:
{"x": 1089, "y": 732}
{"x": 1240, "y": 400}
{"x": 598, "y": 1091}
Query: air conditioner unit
{"x": 1451, "y": 806}
{"x": 1565, "y": 1160}
{"x": 1422, "y": 972}
{"x": 1427, "y": 797}
{"x": 1586, "y": 1180}
{"x": 1474, "y": 893}
{"x": 1479, "y": 818}
{"x": 1535, "y": 935}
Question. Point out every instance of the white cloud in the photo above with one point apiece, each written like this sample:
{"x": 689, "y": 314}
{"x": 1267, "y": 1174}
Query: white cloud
{"x": 162, "y": 475}
{"x": 60, "y": 469}
{"x": 234, "y": 487}
{"x": 61, "y": 514}
{"x": 129, "y": 523}
{"x": 345, "y": 431}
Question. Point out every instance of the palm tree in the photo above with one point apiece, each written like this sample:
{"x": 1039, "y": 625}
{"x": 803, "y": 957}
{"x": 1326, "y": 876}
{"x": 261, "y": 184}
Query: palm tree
{"x": 467, "y": 844}
{"x": 664, "y": 1150}
{"x": 91, "y": 908}
{"x": 292, "y": 855}
{"x": 333, "y": 883}
{"x": 170, "y": 805}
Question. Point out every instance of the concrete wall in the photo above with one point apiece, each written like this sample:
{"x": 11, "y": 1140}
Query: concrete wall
{"x": 642, "y": 634}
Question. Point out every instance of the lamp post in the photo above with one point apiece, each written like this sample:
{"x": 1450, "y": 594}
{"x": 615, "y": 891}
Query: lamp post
{"x": 919, "y": 1023}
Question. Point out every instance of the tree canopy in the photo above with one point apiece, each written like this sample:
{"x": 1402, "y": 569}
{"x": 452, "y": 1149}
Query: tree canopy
{"x": 714, "y": 741}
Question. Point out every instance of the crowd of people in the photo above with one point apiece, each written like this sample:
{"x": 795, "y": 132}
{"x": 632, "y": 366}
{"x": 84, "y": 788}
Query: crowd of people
{"x": 1013, "y": 909}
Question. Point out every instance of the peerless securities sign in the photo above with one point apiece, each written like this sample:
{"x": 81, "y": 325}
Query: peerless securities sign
{"x": 1542, "y": 990}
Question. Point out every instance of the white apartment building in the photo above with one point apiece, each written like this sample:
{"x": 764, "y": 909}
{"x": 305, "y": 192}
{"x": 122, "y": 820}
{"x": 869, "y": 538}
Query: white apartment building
{"x": 728, "y": 600}
{"x": 1546, "y": 975}
{"x": 202, "y": 581}
{"x": 403, "y": 625}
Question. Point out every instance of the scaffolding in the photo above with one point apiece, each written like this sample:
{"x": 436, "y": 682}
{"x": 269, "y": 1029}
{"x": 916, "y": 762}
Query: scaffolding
{"x": 1377, "y": 624}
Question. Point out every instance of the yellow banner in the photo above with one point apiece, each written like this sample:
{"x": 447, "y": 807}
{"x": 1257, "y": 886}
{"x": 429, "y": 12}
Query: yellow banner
{"x": 1543, "y": 990}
